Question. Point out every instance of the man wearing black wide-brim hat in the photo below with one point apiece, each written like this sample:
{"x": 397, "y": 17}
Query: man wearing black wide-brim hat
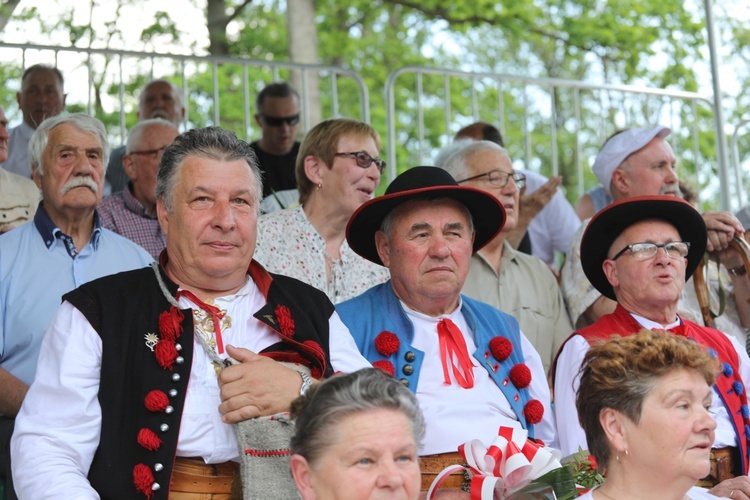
{"x": 468, "y": 363}
{"x": 639, "y": 252}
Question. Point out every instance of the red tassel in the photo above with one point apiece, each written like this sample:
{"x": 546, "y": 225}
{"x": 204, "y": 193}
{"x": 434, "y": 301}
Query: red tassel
{"x": 520, "y": 375}
{"x": 170, "y": 324}
{"x": 143, "y": 479}
{"x": 156, "y": 401}
{"x": 165, "y": 352}
{"x": 386, "y": 366}
{"x": 533, "y": 411}
{"x": 387, "y": 343}
{"x": 148, "y": 439}
{"x": 501, "y": 348}
{"x": 284, "y": 317}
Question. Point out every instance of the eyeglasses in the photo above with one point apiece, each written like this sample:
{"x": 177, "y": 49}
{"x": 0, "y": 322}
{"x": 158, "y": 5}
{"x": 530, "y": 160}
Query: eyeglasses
{"x": 499, "y": 178}
{"x": 364, "y": 160}
{"x": 152, "y": 153}
{"x": 643, "y": 251}
{"x": 278, "y": 121}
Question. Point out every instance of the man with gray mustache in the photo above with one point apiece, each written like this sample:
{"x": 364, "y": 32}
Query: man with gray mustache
{"x": 639, "y": 162}
{"x": 62, "y": 248}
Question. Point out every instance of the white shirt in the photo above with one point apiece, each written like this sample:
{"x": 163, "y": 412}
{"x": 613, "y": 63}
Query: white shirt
{"x": 58, "y": 427}
{"x": 454, "y": 415}
{"x": 567, "y": 380}
{"x": 554, "y": 226}
{"x": 18, "y": 150}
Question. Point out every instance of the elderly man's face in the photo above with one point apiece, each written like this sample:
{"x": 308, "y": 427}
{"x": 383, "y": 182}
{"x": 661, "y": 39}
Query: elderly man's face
{"x": 485, "y": 161}
{"x": 274, "y": 121}
{"x": 650, "y": 284}
{"x": 160, "y": 100}
{"x": 41, "y": 97}
{"x": 3, "y": 136}
{"x": 428, "y": 254}
{"x": 73, "y": 167}
{"x": 651, "y": 170}
{"x": 211, "y": 229}
{"x": 142, "y": 163}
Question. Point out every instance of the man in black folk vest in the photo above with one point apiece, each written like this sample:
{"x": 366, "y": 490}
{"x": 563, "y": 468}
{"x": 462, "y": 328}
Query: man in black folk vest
{"x": 141, "y": 367}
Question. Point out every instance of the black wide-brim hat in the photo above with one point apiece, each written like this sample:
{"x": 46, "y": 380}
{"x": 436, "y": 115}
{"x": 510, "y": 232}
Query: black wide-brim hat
{"x": 613, "y": 219}
{"x": 486, "y": 211}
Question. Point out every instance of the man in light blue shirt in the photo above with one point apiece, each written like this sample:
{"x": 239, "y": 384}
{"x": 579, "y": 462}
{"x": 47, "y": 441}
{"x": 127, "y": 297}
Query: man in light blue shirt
{"x": 62, "y": 248}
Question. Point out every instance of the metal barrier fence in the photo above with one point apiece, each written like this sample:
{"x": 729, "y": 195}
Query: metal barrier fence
{"x": 554, "y": 126}
{"x": 211, "y": 86}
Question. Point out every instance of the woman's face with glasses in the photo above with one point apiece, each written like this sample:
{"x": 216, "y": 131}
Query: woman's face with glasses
{"x": 347, "y": 184}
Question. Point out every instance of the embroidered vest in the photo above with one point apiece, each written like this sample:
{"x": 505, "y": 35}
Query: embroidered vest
{"x": 123, "y": 309}
{"x": 728, "y": 383}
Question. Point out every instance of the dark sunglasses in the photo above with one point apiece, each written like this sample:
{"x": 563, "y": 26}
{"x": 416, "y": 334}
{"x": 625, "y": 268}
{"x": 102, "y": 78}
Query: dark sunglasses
{"x": 364, "y": 159}
{"x": 278, "y": 121}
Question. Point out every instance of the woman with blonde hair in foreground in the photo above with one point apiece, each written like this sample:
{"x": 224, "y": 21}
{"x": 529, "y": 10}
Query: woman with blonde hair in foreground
{"x": 357, "y": 437}
{"x": 644, "y": 404}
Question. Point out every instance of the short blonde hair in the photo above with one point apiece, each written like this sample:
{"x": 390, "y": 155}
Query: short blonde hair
{"x": 321, "y": 141}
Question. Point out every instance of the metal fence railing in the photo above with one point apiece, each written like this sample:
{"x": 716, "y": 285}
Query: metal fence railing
{"x": 554, "y": 126}
{"x": 217, "y": 90}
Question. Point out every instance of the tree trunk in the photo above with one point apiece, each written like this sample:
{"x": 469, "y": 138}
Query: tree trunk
{"x": 217, "y": 21}
{"x": 302, "y": 37}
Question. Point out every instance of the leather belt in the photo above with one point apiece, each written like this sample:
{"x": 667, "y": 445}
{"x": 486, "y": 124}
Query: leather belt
{"x": 432, "y": 465}
{"x": 725, "y": 464}
{"x": 192, "y": 478}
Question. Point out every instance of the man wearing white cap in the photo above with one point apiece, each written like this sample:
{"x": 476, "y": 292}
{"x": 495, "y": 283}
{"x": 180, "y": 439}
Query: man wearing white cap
{"x": 639, "y": 162}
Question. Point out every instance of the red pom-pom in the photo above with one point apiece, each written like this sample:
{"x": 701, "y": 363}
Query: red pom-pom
{"x": 386, "y": 366}
{"x": 316, "y": 372}
{"x": 156, "y": 400}
{"x": 148, "y": 439}
{"x": 143, "y": 479}
{"x": 284, "y": 317}
{"x": 533, "y": 411}
{"x": 387, "y": 343}
{"x": 520, "y": 375}
{"x": 170, "y": 324}
{"x": 165, "y": 352}
{"x": 316, "y": 347}
{"x": 501, "y": 348}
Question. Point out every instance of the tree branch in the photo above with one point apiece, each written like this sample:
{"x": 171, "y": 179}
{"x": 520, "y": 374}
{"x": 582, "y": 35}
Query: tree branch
{"x": 444, "y": 13}
{"x": 237, "y": 11}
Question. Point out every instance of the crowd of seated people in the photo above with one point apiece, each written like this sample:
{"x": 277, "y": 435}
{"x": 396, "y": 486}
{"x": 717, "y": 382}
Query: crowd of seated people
{"x": 142, "y": 331}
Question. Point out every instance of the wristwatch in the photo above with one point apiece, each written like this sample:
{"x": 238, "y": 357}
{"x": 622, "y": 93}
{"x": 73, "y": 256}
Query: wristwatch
{"x": 306, "y": 383}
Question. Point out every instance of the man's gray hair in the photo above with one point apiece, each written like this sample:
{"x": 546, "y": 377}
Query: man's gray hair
{"x": 213, "y": 143}
{"x": 83, "y": 122}
{"x": 137, "y": 132}
{"x": 320, "y": 412}
{"x": 457, "y": 164}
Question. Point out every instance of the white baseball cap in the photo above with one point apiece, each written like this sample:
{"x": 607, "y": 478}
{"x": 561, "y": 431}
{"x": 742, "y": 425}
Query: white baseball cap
{"x": 620, "y": 147}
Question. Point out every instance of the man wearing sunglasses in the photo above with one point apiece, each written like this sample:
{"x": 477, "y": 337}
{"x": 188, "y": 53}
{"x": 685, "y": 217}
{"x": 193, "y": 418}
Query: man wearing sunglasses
{"x": 514, "y": 282}
{"x": 277, "y": 115}
{"x": 132, "y": 211}
{"x": 639, "y": 252}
